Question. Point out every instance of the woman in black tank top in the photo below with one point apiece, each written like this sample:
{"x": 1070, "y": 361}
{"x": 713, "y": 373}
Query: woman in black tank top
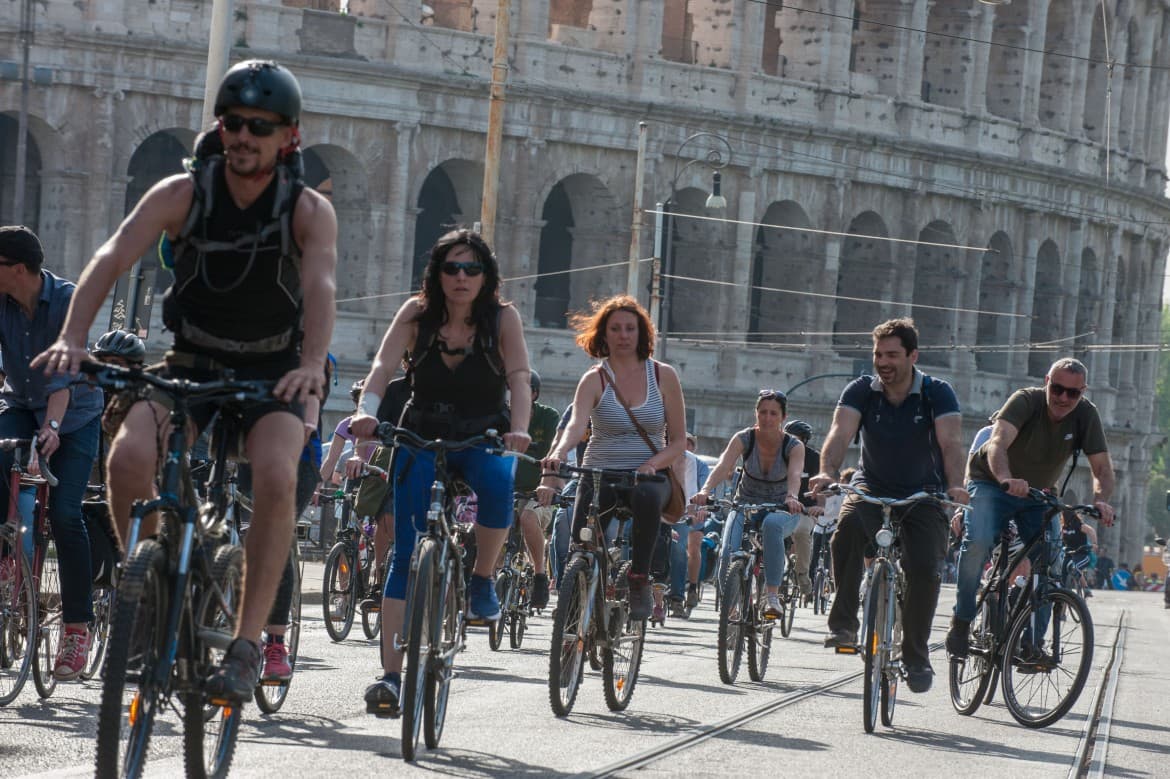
{"x": 466, "y": 347}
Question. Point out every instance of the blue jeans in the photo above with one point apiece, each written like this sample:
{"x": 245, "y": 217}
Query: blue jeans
{"x": 562, "y": 533}
{"x": 990, "y": 510}
{"x": 678, "y": 559}
{"x": 71, "y": 464}
{"x": 776, "y": 526}
{"x": 491, "y": 477}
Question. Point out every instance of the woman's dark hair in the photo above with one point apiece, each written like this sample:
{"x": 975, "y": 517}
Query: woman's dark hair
{"x": 483, "y": 308}
{"x": 591, "y": 326}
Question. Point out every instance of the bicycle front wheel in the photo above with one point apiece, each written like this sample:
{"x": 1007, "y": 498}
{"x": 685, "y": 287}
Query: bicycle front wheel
{"x": 734, "y": 618}
{"x": 873, "y": 642}
{"x": 49, "y": 622}
{"x": 497, "y": 629}
{"x": 419, "y": 608}
{"x": 759, "y": 641}
{"x": 338, "y": 590}
{"x": 371, "y": 617}
{"x": 130, "y": 698}
{"x": 18, "y": 616}
{"x": 789, "y": 594}
{"x": 570, "y": 637}
{"x": 270, "y": 695}
{"x": 99, "y": 631}
{"x": 1046, "y": 658}
{"x": 445, "y": 626}
{"x": 622, "y": 658}
{"x": 970, "y": 677}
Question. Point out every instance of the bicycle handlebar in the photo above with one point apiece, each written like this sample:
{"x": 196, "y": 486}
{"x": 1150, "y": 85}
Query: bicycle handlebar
{"x": 748, "y": 508}
{"x": 1054, "y": 501}
{"x": 116, "y": 378}
{"x": 11, "y": 444}
{"x": 921, "y": 495}
{"x": 612, "y": 475}
{"x": 392, "y": 435}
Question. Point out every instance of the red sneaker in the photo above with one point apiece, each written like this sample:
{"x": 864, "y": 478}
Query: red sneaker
{"x": 276, "y": 667}
{"x": 72, "y": 655}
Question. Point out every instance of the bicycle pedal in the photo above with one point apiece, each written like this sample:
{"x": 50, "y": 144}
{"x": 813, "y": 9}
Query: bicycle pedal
{"x": 846, "y": 650}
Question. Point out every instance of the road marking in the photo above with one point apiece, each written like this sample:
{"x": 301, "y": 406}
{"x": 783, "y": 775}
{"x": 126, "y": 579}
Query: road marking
{"x": 1094, "y": 744}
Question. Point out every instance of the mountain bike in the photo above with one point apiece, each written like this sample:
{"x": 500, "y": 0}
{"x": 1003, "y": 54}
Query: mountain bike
{"x": 1029, "y": 629}
{"x": 742, "y": 624}
{"x": 883, "y": 589}
{"x": 513, "y": 586}
{"x": 593, "y": 607}
{"x": 822, "y": 579}
{"x": 352, "y": 572}
{"x": 175, "y": 612}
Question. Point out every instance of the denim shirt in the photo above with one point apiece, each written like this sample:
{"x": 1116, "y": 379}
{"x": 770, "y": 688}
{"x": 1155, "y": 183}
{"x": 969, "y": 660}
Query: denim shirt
{"x": 22, "y": 339}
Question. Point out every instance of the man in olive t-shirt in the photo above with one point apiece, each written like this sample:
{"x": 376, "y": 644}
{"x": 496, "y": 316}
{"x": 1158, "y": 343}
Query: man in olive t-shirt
{"x": 535, "y": 518}
{"x": 1034, "y": 435}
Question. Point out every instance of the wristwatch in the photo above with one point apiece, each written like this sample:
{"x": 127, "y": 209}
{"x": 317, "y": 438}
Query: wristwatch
{"x": 54, "y": 425}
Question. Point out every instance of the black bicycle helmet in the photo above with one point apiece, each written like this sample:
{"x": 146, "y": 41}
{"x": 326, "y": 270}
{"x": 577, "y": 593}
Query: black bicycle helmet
{"x": 534, "y": 382}
{"x": 260, "y": 84}
{"x": 800, "y": 429}
{"x": 119, "y": 343}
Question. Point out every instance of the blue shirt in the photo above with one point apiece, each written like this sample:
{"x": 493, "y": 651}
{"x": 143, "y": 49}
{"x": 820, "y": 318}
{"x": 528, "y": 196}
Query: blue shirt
{"x": 22, "y": 339}
{"x": 899, "y": 452}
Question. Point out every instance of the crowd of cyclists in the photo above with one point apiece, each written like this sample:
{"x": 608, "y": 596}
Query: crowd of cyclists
{"x": 253, "y": 253}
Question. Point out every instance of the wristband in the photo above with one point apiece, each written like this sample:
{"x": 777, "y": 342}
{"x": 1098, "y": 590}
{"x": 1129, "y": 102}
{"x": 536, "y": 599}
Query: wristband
{"x": 369, "y": 404}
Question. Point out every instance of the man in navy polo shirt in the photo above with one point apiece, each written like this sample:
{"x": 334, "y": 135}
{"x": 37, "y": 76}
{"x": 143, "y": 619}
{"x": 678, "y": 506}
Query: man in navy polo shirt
{"x": 911, "y": 440}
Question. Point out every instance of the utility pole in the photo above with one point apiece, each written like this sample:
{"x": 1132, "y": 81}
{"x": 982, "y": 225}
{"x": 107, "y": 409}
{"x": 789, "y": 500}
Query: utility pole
{"x": 26, "y": 36}
{"x": 219, "y": 50}
{"x": 636, "y": 223}
{"x": 495, "y": 131}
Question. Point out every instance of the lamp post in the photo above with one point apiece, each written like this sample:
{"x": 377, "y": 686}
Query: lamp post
{"x": 664, "y": 228}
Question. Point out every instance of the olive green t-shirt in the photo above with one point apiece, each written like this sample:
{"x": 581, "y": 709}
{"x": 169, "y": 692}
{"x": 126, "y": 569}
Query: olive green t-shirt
{"x": 542, "y": 427}
{"x": 1042, "y": 447}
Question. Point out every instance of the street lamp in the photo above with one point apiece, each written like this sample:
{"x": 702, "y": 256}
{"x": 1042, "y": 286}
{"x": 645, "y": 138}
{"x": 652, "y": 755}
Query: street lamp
{"x": 664, "y": 229}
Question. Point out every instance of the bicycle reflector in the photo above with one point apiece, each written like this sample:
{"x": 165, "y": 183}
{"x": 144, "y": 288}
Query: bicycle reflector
{"x": 884, "y": 537}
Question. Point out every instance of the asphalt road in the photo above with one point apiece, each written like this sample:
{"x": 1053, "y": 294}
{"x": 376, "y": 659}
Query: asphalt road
{"x": 803, "y": 720}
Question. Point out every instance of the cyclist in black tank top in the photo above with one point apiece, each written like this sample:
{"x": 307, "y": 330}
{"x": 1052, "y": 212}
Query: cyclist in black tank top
{"x": 465, "y": 348}
{"x": 239, "y": 305}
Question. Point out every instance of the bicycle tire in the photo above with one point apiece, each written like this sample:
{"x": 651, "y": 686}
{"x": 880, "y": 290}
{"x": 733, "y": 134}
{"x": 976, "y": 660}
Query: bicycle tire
{"x": 570, "y": 638}
{"x": 788, "y": 593}
{"x": 270, "y": 696}
{"x": 50, "y": 623}
{"x": 732, "y": 617}
{"x": 210, "y": 731}
{"x": 99, "y": 631}
{"x": 621, "y": 662}
{"x": 339, "y": 586}
{"x": 891, "y": 655}
{"x": 1030, "y": 688}
{"x": 969, "y": 677}
{"x": 517, "y": 629}
{"x": 18, "y": 598}
{"x": 497, "y": 629}
{"x": 759, "y": 644}
{"x": 871, "y": 643}
{"x": 371, "y": 620}
{"x": 419, "y": 606}
{"x": 445, "y": 624}
{"x": 124, "y": 725}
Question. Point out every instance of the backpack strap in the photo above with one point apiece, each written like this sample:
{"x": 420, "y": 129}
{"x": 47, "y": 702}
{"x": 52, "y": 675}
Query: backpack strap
{"x": 751, "y": 444}
{"x": 203, "y": 178}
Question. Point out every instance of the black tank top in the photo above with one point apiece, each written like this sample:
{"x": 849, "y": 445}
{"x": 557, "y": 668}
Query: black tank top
{"x": 232, "y": 281}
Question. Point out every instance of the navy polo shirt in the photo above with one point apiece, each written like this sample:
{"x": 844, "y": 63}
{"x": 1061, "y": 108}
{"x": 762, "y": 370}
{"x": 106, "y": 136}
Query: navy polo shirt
{"x": 900, "y": 454}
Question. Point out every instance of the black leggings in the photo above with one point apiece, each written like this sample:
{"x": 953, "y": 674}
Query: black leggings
{"x": 646, "y": 500}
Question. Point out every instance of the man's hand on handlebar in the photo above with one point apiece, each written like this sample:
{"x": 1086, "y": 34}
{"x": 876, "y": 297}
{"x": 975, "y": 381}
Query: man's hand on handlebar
{"x": 959, "y": 494}
{"x": 354, "y": 467}
{"x": 517, "y": 441}
{"x": 1017, "y": 488}
{"x": 1106, "y": 510}
{"x": 819, "y": 482}
{"x": 363, "y": 426}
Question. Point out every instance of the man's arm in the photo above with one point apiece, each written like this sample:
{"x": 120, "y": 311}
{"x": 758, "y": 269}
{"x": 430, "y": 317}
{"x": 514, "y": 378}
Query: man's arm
{"x": 1002, "y": 436}
{"x": 315, "y": 230}
{"x": 160, "y": 210}
{"x": 949, "y": 432}
{"x": 846, "y": 422}
{"x": 1101, "y": 464}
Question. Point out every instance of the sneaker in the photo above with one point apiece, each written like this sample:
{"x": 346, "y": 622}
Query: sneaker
{"x": 276, "y": 667}
{"x": 692, "y": 595}
{"x": 382, "y": 698}
{"x": 959, "y": 638}
{"x": 482, "y": 602}
{"x": 539, "y": 591}
{"x": 234, "y": 680}
{"x": 1034, "y": 660}
{"x": 919, "y": 678}
{"x": 843, "y": 639}
{"x": 72, "y": 655}
{"x": 369, "y": 605}
{"x": 641, "y": 601}
{"x": 772, "y": 607}
{"x": 678, "y": 608}
{"x": 1088, "y": 594}
{"x": 657, "y": 614}
{"x": 337, "y": 606}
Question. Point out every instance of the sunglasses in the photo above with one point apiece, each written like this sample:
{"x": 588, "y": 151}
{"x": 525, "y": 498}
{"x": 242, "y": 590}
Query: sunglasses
{"x": 773, "y": 394}
{"x": 1059, "y": 389}
{"x": 257, "y": 126}
{"x": 472, "y": 269}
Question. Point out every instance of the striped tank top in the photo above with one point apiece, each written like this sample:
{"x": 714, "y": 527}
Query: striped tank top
{"x": 615, "y": 442}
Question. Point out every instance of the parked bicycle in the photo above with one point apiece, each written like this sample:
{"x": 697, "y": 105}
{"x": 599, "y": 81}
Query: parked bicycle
{"x": 353, "y": 574}
{"x": 742, "y": 622}
{"x": 593, "y": 607}
{"x": 1029, "y": 632}
{"x": 883, "y": 589}
{"x": 175, "y": 612}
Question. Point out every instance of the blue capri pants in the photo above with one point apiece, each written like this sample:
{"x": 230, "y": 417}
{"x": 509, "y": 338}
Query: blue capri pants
{"x": 490, "y": 475}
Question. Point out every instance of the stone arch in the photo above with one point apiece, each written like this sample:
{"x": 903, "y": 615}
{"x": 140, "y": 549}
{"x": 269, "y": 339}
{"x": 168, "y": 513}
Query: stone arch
{"x": 873, "y": 60}
{"x": 338, "y": 175}
{"x": 946, "y": 55}
{"x": 1056, "y": 78}
{"x": 33, "y": 163}
{"x": 1005, "y": 67}
{"x": 936, "y": 271}
{"x": 1047, "y": 297}
{"x": 158, "y": 156}
{"x": 1088, "y": 302}
{"x": 1097, "y": 78}
{"x": 448, "y": 196}
{"x": 997, "y": 293}
{"x": 784, "y": 259}
{"x": 865, "y": 278}
{"x": 578, "y": 234}
{"x": 700, "y": 251}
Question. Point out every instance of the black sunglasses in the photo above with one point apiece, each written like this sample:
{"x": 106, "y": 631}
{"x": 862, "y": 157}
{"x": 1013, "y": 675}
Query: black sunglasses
{"x": 1059, "y": 389}
{"x": 773, "y": 394}
{"x": 472, "y": 269}
{"x": 257, "y": 126}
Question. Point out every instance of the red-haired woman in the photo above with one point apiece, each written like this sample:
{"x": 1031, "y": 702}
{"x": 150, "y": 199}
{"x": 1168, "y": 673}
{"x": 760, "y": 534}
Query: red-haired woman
{"x": 618, "y": 332}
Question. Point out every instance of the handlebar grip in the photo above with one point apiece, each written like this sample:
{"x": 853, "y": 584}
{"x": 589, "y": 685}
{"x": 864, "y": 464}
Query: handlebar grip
{"x": 47, "y": 475}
